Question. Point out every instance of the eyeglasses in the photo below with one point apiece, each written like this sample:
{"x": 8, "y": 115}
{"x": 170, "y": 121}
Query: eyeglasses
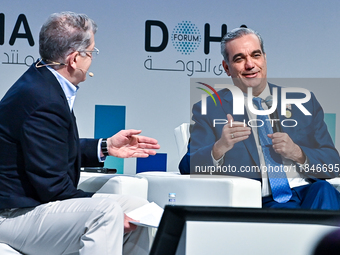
{"x": 91, "y": 53}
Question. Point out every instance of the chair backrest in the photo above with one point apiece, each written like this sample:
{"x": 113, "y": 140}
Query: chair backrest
{"x": 182, "y": 135}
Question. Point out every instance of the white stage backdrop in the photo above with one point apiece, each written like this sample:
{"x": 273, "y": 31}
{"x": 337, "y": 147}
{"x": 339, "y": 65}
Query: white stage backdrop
{"x": 150, "y": 49}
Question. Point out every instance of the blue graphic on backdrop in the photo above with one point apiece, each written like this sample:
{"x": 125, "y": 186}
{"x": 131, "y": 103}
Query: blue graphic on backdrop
{"x": 186, "y": 37}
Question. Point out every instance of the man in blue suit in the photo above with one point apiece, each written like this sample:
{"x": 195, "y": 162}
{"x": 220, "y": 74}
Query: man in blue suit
{"x": 305, "y": 150}
{"x": 41, "y": 209}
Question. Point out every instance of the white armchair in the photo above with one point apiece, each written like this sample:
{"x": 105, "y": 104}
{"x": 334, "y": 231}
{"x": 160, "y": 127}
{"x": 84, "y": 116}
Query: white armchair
{"x": 203, "y": 191}
{"x": 182, "y": 135}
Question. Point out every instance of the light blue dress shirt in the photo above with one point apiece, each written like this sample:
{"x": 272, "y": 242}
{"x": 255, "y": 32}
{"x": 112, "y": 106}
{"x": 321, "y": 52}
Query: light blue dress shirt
{"x": 70, "y": 91}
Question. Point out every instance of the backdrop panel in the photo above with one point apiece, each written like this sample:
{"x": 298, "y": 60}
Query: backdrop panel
{"x": 144, "y": 65}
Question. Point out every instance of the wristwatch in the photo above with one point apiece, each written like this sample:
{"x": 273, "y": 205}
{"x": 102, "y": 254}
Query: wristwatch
{"x": 103, "y": 147}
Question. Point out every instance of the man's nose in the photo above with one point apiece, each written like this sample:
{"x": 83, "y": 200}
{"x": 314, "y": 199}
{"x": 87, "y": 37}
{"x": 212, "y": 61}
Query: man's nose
{"x": 249, "y": 64}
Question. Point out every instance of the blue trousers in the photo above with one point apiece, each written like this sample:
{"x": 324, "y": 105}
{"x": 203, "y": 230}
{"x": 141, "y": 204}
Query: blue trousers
{"x": 319, "y": 195}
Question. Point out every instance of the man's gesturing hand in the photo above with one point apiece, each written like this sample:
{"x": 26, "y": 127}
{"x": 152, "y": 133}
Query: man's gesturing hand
{"x": 232, "y": 133}
{"x": 284, "y": 145}
{"x": 128, "y": 144}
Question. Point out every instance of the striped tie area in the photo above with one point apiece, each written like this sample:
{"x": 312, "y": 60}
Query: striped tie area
{"x": 277, "y": 177}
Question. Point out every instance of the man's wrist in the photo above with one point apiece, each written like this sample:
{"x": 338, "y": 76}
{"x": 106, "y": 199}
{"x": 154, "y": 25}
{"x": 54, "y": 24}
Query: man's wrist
{"x": 217, "y": 151}
{"x": 300, "y": 156}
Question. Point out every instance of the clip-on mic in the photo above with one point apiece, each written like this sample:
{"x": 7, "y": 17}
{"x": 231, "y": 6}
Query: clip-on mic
{"x": 53, "y": 63}
{"x": 90, "y": 73}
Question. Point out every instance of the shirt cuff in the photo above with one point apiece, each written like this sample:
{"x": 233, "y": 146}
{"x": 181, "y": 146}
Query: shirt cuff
{"x": 218, "y": 162}
{"x": 306, "y": 163}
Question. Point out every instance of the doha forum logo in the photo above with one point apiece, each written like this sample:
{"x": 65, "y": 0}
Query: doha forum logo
{"x": 186, "y": 37}
{"x": 190, "y": 41}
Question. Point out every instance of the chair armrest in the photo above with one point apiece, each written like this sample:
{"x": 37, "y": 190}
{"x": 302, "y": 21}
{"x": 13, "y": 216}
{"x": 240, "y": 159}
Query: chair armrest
{"x": 114, "y": 184}
{"x": 203, "y": 191}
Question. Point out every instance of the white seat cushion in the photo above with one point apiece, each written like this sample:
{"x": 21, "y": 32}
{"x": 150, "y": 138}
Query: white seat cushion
{"x": 7, "y": 250}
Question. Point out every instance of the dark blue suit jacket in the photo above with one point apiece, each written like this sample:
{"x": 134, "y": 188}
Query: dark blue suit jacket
{"x": 40, "y": 151}
{"x": 310, "y": 134}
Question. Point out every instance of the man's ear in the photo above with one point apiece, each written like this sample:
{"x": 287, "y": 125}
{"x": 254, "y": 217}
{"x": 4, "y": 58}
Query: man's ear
{"x": 226, "y": 67}
{"x": 71, "y": 60}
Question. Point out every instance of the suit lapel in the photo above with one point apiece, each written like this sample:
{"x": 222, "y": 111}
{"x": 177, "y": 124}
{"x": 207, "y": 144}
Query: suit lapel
{"x": 75, "y": 128}
{"x": 76, "y": 139}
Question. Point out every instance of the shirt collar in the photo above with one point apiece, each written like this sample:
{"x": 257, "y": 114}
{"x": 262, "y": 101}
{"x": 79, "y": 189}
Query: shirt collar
{"x": 69, "y": 89}
{"x": 264, "y": 94}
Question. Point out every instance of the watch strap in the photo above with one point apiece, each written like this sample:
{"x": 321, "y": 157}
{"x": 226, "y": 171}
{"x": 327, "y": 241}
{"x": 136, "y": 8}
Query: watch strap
{"x": 103, "y": 147}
